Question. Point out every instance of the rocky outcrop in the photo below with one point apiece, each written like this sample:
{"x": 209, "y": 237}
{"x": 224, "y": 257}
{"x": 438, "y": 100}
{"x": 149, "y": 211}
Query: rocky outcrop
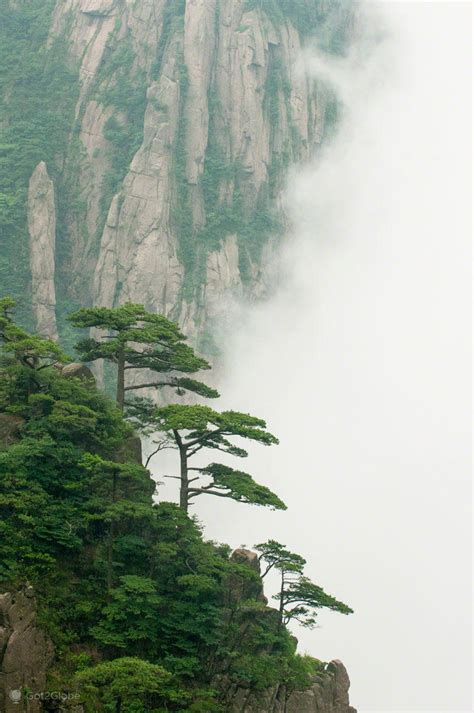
{"x": 25, "y": 653}
{"x": 329, "y": 690}
{"x": 329, "y": 693}
{"x": 76, "y": 370}
{"x": 131, "y": 451}
{"x": 241, "y": 588}
{"x": 42, "y": 231}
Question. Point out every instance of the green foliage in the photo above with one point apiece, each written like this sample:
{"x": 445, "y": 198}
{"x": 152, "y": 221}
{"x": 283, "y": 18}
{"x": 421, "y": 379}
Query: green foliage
{"x": 131, "y": 615}
{"x": 38, "y": 91}
{"x": 173, "y": 21}
{"x": 239, "y": 486}
{"x": 210, "y": 428}
{"x": 190, "y": 429}
{"x": 29, "y": 350}
{"x": 303, "y": 596}
{"x": 276, "y": 555}
{"x": 49, "y": 502}
{"x": 327, "y": 21}
{"x": 144, "y": 614}
{"x": 130, "y": 684}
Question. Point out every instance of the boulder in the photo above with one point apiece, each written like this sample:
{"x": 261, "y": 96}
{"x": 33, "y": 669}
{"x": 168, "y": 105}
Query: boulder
{"x": 78, "y": 371}
{"x": 243, "y": 556}
{"x": 242, "y": 586}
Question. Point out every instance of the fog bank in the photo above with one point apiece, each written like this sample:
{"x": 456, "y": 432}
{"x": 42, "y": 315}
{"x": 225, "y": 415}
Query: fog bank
{"x": 361, "y": 365}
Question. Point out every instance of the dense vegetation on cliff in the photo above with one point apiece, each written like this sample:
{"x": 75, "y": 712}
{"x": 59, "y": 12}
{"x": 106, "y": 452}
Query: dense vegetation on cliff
{"x": 145, "y": 615}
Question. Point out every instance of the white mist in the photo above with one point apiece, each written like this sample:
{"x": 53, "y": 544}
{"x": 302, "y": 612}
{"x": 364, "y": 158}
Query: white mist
{"x": 361, "y": 365}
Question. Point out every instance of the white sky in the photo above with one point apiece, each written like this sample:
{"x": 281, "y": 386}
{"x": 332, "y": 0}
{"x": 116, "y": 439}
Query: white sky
{"x": 361, "y": 365}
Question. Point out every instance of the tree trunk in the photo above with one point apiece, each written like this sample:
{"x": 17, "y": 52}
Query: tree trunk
{"x": 282, "y": 597}
{"x": 121, "y": 380}
{"x": 184, "y": 489}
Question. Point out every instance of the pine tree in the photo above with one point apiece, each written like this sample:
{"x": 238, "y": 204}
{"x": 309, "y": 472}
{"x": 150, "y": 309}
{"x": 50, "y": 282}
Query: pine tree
{"x": 135, "y": 339}
{"x": 190, "y": 429}
{"x": 298, "y": 598}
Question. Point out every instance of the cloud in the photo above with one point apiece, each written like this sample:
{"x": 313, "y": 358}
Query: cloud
{"x": 360, "y": 362}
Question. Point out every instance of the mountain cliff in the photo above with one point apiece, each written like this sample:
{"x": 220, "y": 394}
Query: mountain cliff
{"x": 143, "y": 153}
{"x": 155, "y": 138}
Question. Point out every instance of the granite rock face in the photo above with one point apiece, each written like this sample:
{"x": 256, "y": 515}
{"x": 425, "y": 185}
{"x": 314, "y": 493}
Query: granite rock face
{"x": 42, "y": 231}
{"x": 188, "y": 116}
{"x": 25, "y": 652}
{"x": 76, "y": 370}
{"x": 329, "y": 693}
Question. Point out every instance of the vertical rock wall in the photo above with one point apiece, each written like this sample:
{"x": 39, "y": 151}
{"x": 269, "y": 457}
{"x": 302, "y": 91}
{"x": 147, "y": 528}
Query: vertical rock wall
{"x": 42, "y": 232}
{"x": 189, "y": 115}
{"x": 25, "y": 653}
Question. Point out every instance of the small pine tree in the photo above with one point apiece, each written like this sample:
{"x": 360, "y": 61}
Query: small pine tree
{"x": 298, "y": 598}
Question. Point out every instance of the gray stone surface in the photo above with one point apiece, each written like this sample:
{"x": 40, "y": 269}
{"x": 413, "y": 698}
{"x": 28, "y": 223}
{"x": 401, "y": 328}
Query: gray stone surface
{"x": 228, "y": 53}
{"x": 25, "y": 651}
{"x": 42, "y": 231}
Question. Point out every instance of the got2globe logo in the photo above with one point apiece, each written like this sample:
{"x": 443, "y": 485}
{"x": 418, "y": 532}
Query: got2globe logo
{"x": 15, "y": 696}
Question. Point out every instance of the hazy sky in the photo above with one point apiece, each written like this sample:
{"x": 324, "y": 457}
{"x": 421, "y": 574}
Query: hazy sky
{"x": 361, "y": 365}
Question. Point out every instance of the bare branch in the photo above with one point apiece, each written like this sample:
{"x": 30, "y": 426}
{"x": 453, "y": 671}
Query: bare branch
{"x": 147, "y": 386}
{"x": 203, "y": 491}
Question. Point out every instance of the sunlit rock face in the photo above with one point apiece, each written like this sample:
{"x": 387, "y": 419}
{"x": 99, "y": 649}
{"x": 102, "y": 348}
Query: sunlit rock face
{"x": 188, "y": 116}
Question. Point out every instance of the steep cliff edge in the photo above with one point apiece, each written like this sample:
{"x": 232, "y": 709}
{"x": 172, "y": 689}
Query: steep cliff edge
{"x": 329, "y": 689}
{"x": 27, "y": 654}
{"x": 114, "y": 597}
{"x": 329, "y": 693}
{"x": 179, "y": 122}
